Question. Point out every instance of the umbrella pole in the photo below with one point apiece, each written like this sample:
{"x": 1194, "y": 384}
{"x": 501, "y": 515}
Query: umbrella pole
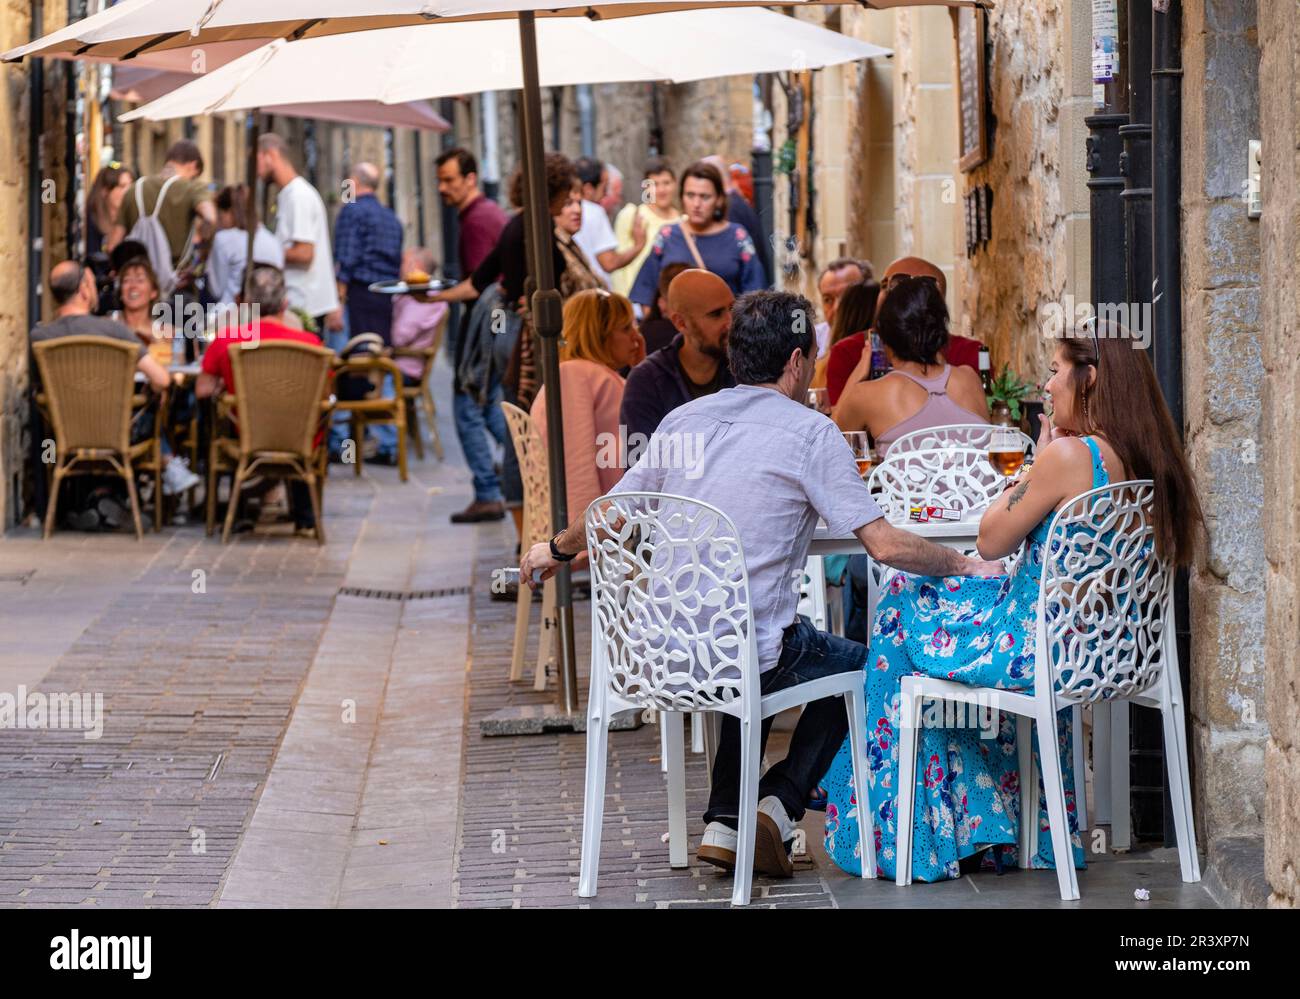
{"x": 548, "y": 321}
{"x": 250, "y": 204}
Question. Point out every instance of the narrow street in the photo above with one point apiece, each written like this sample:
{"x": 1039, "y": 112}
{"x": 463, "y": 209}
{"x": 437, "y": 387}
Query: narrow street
{"x": 293, "y": 725}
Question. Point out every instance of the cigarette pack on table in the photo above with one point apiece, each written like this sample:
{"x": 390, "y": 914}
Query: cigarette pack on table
{"x": 925, "y": 514}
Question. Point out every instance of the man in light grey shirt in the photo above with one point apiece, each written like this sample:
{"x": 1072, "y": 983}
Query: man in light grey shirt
{"x": 775, "y": 467}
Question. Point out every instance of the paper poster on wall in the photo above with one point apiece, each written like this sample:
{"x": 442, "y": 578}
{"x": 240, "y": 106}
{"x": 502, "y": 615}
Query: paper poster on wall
{"x": 1105, "y": 40}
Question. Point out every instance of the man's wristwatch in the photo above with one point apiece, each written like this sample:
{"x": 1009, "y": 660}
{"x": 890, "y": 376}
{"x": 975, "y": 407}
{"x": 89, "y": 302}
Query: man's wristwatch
{"x": 558, "y": 555}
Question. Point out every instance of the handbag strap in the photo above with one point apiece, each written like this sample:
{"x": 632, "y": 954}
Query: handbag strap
{"x": 690, "y": 244}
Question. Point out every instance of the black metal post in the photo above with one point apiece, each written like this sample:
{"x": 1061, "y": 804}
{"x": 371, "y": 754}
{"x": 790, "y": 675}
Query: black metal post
{"x": 253, "y": 203}
{"x": 1167, "y": 308}
{"x": 548, "y": 322}
{"x": 420, "y": 234}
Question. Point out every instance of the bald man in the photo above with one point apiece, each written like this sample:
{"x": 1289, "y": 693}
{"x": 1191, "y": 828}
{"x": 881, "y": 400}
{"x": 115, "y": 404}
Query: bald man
{"x": 367, "y": 250}
{"x": 694, "y": 364}
{"x": 850, "y": 361}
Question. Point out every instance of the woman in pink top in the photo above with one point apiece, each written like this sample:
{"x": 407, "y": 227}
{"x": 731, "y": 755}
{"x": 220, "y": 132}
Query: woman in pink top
{"x": 415, "y": 322}
{"x": 600, "y": 337}
{"x": 921, "y": 391}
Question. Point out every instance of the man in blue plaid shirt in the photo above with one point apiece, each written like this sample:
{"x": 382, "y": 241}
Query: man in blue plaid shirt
{"x": 367, "y": 248}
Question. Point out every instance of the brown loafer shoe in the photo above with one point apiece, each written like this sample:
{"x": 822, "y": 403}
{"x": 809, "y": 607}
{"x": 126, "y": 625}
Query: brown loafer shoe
{"x": 478, "y": 512}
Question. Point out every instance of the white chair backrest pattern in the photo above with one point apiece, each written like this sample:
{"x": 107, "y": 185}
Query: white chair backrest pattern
{"x": 671, "y": 621}
{"x": 973, "y": 435}
{"x": 959, "y": 478}
{"x": 534, "y": 472}
{"x": 1105, "y": 612}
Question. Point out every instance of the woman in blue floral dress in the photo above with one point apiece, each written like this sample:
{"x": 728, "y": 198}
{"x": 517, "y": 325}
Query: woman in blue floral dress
{"x": 981, "y": 630}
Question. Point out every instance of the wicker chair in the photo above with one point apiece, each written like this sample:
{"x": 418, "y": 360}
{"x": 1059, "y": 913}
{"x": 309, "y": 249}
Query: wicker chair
{"x": 280, "y": 395}
{"x": 420, "y": 395}
{"x": 537, "y": 527}
{"x": 374, "y": 408}
{"x": 88, "y": 384}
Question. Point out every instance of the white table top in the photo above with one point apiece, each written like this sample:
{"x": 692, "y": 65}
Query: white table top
{"x": 955, "y": 533}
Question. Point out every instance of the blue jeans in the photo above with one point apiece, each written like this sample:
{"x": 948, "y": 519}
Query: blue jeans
{"x": 474, "y": 424}
{"x": 806, "y": 654}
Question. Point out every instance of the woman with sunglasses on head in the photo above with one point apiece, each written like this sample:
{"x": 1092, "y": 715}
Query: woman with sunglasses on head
{"x": 921, "y": 390}
{"x": 600, "y": 339}
{"x": 1109, "y": 425}
{"x": 704, "y": 238}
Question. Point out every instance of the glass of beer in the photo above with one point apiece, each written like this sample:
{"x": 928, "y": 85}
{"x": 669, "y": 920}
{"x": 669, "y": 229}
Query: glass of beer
{"x": 860, "y": 445}
{"x": 1006, "y": 450}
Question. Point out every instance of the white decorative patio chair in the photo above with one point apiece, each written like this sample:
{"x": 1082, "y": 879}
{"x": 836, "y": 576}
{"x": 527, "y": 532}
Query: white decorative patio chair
{"x": 536, "y": 527}
{"x": 672, "y": 629}
{"x": 971, "y": 435}
{"x": 1105, "y": 635}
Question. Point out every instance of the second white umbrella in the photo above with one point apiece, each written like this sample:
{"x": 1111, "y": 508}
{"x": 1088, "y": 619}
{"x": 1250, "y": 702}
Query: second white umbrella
{"x": 396, "y": 65}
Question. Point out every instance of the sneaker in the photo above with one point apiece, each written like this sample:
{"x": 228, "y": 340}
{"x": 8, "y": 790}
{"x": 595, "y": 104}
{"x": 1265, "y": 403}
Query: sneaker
{"x": 112, "y": 514}
{"x": 177, "y": 477}
{"x": 477, "y": 512}
{"x": 84, "y": 520}
{"x": 771, "y": 844}
{"x": 718, "y": 847}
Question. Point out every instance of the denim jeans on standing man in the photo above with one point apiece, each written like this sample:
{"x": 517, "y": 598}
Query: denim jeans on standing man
{"x": 476, "y": 426}
{"x": 806, "y": 654}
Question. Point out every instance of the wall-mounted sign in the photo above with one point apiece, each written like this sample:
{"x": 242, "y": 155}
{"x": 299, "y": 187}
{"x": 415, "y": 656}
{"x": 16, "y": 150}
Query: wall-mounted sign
{"x": 972, "y": 86}
{"x": 1105, "y": 40}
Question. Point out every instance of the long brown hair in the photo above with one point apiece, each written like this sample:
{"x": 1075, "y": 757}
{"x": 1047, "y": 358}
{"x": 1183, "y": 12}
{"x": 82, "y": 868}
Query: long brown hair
{"x": 856, "y": 311}
{"x": 105, "y": 181}
{"x": 1125, "y": 405}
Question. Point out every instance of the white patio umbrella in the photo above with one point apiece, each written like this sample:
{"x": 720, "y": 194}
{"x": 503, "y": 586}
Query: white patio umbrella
{"x": 133, "y": 27}
{"x": 390, "y": 65}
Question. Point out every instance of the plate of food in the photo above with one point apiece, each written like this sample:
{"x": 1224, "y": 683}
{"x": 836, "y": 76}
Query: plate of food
{"x": 415, "y": 281}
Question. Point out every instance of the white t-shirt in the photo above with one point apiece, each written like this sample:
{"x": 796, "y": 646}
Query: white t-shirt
{"x": 823, "y": 333}
{"x": 595, "y": 236}
{"x": 300, "y": 218}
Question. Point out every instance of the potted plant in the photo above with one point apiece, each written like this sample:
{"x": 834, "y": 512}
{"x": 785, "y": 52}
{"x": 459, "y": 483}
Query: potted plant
{"x": 1005, "y": 394}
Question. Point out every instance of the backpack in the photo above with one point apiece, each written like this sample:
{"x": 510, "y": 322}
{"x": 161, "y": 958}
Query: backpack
{"x": 149, "y": 232}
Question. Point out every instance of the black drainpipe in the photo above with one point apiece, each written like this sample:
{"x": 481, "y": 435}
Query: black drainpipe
{"x": 1146, "y": 741}
{"x": 1167, "y": 310}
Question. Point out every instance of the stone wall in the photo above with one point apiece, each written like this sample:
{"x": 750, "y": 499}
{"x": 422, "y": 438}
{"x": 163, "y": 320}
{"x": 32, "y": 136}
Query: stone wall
{"x": 15, "y": 29}
{"x": 1279, "y": 37}
{"x": 1039, "y": 84}
{"x": 15, "y": 192}
{"x": 1223, "y": 380}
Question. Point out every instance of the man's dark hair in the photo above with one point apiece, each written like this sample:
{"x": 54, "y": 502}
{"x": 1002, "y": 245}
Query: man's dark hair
{"x": 124, "y": 253}
{"x": 766, "y": 327}
{"x": 589, "y": 170}
{"x": 656, "y": 165}
{"x": 465, "y": 161}
{"x": 185, "y": 151}
{"x": 913, "y": 320}
{"x": 65, "y": 284}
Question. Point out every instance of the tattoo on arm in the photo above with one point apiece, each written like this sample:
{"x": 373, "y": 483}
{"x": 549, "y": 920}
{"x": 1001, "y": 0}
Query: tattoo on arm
{"x": 1017, "y": 494}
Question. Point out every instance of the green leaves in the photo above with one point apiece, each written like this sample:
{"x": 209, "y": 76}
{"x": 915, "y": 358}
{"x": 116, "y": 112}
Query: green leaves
{"x": 1008, "y": 387}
